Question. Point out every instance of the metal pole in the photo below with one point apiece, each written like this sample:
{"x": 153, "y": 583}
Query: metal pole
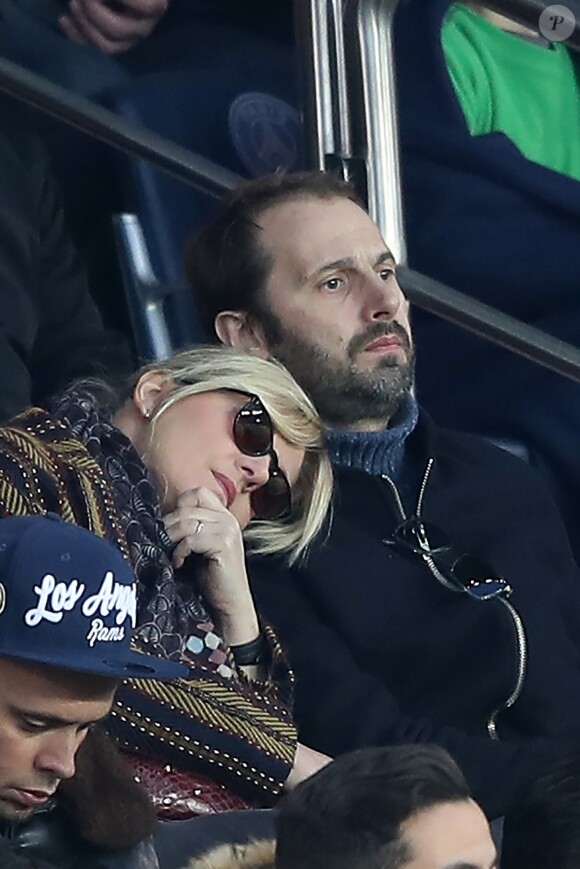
{"x": 373, "y": 99}
{"x": 312, "y": 44}
{"x": 337, "y": 61}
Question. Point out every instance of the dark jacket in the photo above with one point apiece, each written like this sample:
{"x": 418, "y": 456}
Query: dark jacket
{"x": 385, "y": 653}
{"x": 50, "y": 840}
{"x": 100, "y": 819}
{"x": 50, "y": 329}
{"x": 487, "y": 221}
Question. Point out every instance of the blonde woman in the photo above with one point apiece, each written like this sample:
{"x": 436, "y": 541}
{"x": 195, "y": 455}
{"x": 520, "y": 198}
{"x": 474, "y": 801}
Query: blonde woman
{"x": 197, "y": 455}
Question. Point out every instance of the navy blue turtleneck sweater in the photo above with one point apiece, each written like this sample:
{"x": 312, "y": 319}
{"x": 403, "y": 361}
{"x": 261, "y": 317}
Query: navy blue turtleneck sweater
{"x": 376, "y": 452}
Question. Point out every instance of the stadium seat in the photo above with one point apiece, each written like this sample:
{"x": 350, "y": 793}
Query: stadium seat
{"x": 209, "y": 115}
{"x": 162, "y": 315}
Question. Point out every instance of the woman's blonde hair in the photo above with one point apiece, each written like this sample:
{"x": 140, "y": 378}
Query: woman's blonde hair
{"x": 209, "y": 368}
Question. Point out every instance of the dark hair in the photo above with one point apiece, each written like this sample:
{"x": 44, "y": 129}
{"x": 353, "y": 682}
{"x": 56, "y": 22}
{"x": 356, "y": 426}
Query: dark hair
{"x": 543, "y": 830}
{"x": 225, "y": 263}
{"x": 348, "y": 815}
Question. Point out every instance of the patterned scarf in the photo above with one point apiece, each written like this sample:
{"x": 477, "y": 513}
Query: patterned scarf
{"x": 171, "y": 614}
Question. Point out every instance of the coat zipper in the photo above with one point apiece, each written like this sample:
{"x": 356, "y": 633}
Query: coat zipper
{"x": 522, "y": 667}
{"x": 520, "y": 633}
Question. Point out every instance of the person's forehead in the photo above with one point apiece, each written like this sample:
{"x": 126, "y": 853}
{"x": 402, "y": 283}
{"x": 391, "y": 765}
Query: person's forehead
{"x": 306, "y": 233}
{"x": 454, "y": 834}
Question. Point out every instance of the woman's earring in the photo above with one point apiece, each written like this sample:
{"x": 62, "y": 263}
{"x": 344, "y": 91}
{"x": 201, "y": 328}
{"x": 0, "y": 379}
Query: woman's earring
{"x": 147, "y": 413}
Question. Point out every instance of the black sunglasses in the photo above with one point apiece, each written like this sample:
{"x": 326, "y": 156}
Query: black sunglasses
{"x": 254, "y": 436}
{"x": 463, "y": 572}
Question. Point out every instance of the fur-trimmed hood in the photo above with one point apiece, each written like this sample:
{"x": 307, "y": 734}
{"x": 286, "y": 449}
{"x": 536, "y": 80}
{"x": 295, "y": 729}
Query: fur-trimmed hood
{"x": 110, "y": 810}
{"x": 256, "y": 855}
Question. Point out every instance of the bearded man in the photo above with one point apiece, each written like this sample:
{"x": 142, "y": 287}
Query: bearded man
{"x": 443, "y": 605}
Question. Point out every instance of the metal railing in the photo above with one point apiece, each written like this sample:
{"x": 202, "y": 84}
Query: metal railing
{"x": 105, "y": 125}
{"x": 192, "y": 169}
{"x": 488, "y": 322}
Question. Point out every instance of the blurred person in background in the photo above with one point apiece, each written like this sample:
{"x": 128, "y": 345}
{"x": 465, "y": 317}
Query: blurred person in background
{"x": 117, "y": 53}
{"x": 51, "y": 331}
{"x": 90, "y": 45}
{"x": 489, "y": 121}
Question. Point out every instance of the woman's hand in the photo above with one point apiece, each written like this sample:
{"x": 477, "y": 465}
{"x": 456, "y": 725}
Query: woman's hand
{"x": 307, "y": 761}
{"x": 200, "y": 523}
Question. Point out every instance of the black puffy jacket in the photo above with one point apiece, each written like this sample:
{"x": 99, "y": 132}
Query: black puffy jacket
{"x": 50, "y": 840}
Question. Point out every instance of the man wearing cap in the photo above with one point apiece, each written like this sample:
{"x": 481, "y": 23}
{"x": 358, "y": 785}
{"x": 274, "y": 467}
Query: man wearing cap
{"x": 67, "y": 610}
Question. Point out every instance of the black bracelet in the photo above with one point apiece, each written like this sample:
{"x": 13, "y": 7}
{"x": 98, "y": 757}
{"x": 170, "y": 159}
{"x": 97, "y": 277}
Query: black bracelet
{"x": 253, "y": 652}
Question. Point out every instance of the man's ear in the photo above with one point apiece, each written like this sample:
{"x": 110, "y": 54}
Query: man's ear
{"x": 240, "y": 330}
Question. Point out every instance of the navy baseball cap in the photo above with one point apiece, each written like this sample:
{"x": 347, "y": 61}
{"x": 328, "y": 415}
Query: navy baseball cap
{"x": 69, "y": 599}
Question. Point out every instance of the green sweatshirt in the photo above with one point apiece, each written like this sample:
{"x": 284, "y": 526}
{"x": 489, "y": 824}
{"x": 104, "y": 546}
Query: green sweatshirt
{"x": 509, "y": 84}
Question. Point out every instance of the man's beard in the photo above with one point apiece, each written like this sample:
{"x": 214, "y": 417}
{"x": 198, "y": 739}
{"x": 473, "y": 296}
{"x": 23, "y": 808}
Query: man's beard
{"x": 343, "y": 394}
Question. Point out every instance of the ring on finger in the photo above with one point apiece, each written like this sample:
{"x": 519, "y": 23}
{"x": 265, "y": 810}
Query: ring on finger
{"x": 199, "y": 526}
